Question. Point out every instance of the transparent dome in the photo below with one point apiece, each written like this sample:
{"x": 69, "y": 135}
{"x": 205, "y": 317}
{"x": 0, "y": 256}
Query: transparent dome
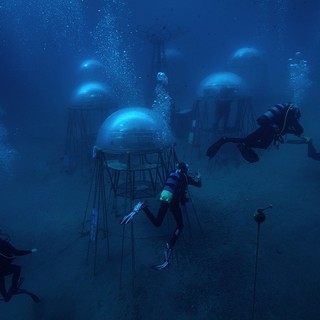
{"x": 223, "y": 86}
{"x": 92, "y": 70}
{"x": 90, "y": 64}
{"x": 91, "y": 94}
{"x": 133, "y": 129}
{"x": 246, "y": 54}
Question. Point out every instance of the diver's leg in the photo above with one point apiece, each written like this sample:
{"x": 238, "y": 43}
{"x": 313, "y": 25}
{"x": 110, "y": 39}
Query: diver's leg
{"x": 214, "y": 148}
{"x": 168, "y": 247}
{"x": 177, "y": 214}
{"x": 312, "y": 153}
{"x": 16, "y": 271}
{"x": 260, "y": 138}
{"x": 157, "y": 221}
{"x": 16, "y": 275}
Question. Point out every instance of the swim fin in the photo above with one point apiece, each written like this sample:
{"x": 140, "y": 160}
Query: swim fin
{"x": 247, "y": 153}
{"x": 167, "y": 258}
{"x": 127, "y": 218}
{"x": 213, "y": 149}
{"x": 17, "y": 290}
{"x": 161, "y": 266}
{"x": 13, "y": 290}
{"x": 34, "y": 297}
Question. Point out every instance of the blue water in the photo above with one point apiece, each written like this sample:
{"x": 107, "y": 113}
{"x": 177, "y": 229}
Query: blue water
{"x": 43, "y": 45}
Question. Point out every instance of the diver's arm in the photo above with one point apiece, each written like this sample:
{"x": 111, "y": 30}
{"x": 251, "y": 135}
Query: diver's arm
{"x": 295, "y": 128}
{"x": 17, "y": 252}
{"x": 193, "y": 182}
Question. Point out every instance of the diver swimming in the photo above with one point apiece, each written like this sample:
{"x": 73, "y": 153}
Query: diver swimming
{"x": 7, "y": 254}
{"x": 276, "y": 122}
{"x": 172, "y": 197}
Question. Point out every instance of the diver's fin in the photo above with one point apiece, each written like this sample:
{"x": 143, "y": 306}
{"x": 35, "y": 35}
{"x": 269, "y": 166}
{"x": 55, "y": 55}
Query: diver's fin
{"x": 34, "y": 297}
{"x": 13, "y": 290}
{"x": 214, "y": 148}
{"x": 167, "y": 258}
{"x": 127, "y": 218}
{"x": 159, "y": 267}
{"x": 247, "y": 153}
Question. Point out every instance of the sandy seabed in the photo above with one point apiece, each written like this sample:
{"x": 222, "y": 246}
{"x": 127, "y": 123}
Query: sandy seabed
{"x": 213, "y": 268}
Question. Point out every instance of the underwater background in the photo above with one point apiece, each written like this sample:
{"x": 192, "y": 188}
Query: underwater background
{"x": 44, "y": 193}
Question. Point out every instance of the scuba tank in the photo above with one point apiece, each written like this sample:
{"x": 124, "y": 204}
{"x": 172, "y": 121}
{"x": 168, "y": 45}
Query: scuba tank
{"x": 173, "y": 182}
{"x": 170, "y": 187}
{"x": 284, "y": 116}
{"x": 272, "y": 115}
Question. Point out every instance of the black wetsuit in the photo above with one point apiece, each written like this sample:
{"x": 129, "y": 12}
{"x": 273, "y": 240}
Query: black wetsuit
{"x": 179, "y": 198}
{"x": 7, "y": 255}
{"x": 268, "y": 132}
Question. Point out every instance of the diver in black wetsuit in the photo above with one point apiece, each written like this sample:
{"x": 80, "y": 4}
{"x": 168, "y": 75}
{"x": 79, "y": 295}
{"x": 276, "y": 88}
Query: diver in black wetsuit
{"x": 172, "y": 196}
{"x": 7, "y": 255}
{"x": 274, "y": 124}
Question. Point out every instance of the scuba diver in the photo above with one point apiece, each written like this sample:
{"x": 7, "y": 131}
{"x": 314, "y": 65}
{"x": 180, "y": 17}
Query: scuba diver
{"x": 173, "y": 195}
{"x": 279, "y": 120}
{"x": 7, "y": 254}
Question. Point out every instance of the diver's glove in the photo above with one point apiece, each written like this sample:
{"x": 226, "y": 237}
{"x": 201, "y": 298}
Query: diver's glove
{"x": 34, "y": 250}
{"x": 198, "y": 175}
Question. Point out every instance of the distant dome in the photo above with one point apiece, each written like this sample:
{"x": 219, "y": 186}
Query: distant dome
{"x": 246, "y": 54}
{"x": 223, "y": 86}
{"x": 90, "y": 64}
{"x": 92, "y": 70}
{"x": 133, "y": 129}
{"x": 91, "y": 94}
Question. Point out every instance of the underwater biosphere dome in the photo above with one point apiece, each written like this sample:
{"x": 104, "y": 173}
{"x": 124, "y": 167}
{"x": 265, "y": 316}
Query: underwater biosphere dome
{"x": 92, "y": 70}
{"x": 223, "y": 86}
{"x": 245, "y": 55}
{"x": 91, "y": 94}
{"x": 133, "y": 129}
{"x": 90, "y": 64}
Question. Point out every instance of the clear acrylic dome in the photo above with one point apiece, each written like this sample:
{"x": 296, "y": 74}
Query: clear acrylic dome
{"x": 90, "y": 64}
{"x": 223, "y": 86}
{"x": 91, "y": 94}
{"x": 92, "y": 70}
{"x": 133, "y": 129}
{"x": 246, "y": 54}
